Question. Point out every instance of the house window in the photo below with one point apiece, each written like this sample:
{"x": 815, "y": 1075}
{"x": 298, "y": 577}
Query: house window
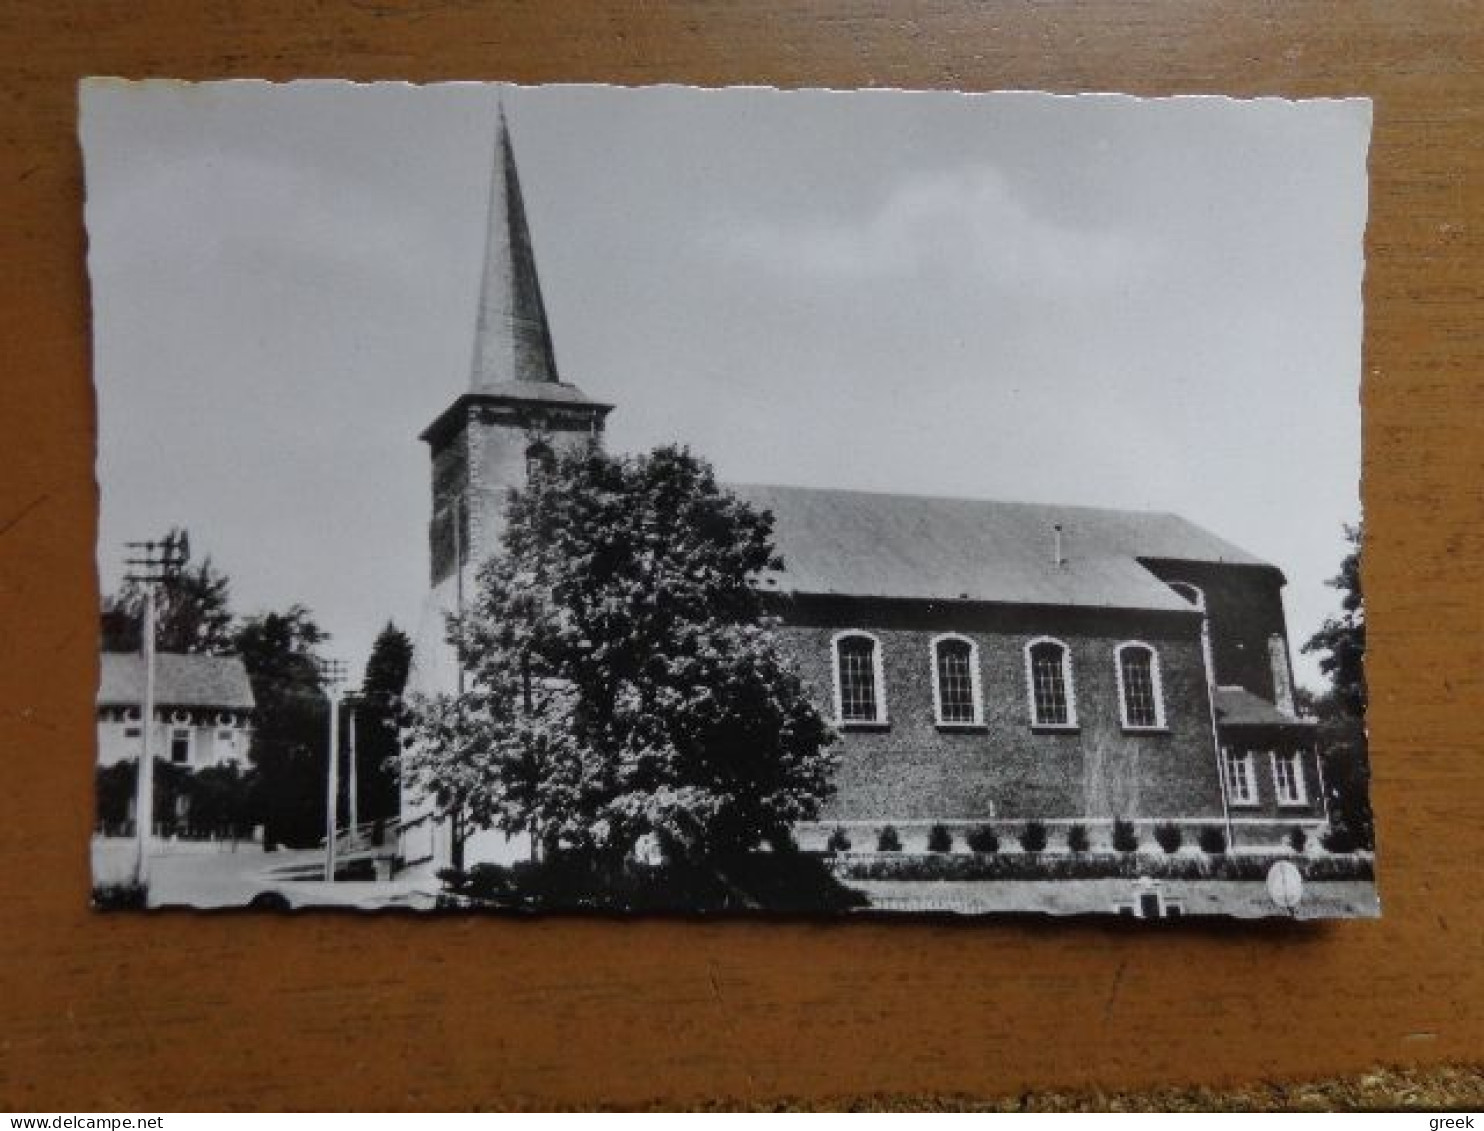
{"x": 180, "y": 746}
{"x": 133, "y": 732}
{"x": 1241, "y": 782}
{"x": 1288, "y": 778}
{"x": 1190, "y": 593}
{"x": 1139, "y": 692}
{"x": 859, "y": 695}
{"x": 1049, "y": 675}
{"x": 956, "y": 681}
{"x": 539, "y": 459}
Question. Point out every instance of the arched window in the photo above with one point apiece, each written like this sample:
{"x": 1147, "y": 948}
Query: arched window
{"x": 1190, "y": 593}
{"x": 956, "y": 695}
{"x": 1140, "y": 694}
{"x": 539, "y": 459}
{"x": 1048, "y": 670}
{"x": 860, "y": 696}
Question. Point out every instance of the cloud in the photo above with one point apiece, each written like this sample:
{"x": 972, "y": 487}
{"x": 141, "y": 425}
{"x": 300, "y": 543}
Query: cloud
{"x": 967, "y": 220}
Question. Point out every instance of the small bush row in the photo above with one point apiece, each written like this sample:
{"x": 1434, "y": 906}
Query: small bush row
{"x": 1094, "y": 866}
{"x": 1034, "y": 837}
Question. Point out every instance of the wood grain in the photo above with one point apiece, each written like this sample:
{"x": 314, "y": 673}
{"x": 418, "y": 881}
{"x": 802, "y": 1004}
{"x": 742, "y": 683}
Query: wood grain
{"x": 182, "y": 1011}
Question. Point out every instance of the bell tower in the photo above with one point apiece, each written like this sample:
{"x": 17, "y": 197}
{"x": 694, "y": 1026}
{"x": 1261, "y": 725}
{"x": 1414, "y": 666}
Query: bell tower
{"x": 517, "y": 411}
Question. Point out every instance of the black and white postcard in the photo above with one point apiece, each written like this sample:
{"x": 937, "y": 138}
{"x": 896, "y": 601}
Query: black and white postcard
{"x": 736, "y": 501}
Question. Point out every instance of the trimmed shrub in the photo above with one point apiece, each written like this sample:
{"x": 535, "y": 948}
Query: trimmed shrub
{"x": 1169, "y": 837}
{"x": 1298, "y": 840}
{"x": 1338, "y": 839}
{"x": 889, "y": 841}
{"x": 839, "y": 840}
{"x": 1125, "y": 836}
{"x": 983, "y": 839}
{"x": 121, "y": 895}
{"x": 1077, "y": 840}
{"x": 1212, "y": 840}
{"x": 940, "y": 839}
{"x": 1033, "y": 837}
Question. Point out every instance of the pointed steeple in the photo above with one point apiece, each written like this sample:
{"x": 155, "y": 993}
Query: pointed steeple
{"x": 512, "y": 340}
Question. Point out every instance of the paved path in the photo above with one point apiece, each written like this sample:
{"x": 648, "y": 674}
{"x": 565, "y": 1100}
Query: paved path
{"x": 204, "y": 875}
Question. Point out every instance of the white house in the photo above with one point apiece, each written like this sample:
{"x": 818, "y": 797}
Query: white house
{"x": 203, "y": 709}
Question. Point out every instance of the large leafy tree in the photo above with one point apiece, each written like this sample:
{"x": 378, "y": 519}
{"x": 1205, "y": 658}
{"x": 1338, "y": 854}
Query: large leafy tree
{"x": 624, "y": 679}
{"x": 193, "y": 612}
{"x": 280, "y": 651}
{"x": 1340, "y": 643}
{"x": 1341, "y": 639}
{"x": 378, "y": 716}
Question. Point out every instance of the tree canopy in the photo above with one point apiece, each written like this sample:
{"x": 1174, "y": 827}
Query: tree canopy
{"x": 379, "y": 715}
{"x": 1341, "y": 639}
{"x": 193, "y": 611}
{"x": 623, "y": 675}
{"x": 1341, "y": 642}
{"x": 280, "y": 652}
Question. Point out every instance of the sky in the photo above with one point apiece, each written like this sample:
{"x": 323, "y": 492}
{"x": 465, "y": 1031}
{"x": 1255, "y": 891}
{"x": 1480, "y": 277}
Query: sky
{"x": 1095, "y": 300}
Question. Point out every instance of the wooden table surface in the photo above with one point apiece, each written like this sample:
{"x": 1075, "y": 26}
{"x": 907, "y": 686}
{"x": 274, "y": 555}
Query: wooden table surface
{"x": 199, "y": 1011}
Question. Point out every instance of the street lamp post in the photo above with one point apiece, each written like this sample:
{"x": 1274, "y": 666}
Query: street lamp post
{"x": 332, "y": 672}
{"x": 149, "y": 564}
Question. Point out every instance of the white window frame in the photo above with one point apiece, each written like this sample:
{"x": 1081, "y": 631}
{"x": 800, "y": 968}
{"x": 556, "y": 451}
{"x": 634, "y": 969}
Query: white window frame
{"x": 1300, "y": 798}
{"x": 878, "y": 676}
{"x": 976, "y": 690}
{"x": 1068, "y": 683}
{"x": 1248, "y": 764}
{"x": 189, "y": 734}
{"x": 1156, "y": 678}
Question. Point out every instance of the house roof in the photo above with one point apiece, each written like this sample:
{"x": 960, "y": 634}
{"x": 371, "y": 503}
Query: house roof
{"x": 1238, "y": 707}
{"x": 861, "y": 544}
{"x": 180, "y": 681}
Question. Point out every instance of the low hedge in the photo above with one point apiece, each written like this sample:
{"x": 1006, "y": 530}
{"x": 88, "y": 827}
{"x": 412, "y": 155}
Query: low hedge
{"x": 789, "y": 882}
{"x": 1096, "y": 866}
{"x": 121, "y": 895}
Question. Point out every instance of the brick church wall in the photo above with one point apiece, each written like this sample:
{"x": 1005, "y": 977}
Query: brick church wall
{"x": 913, "y": 770}
{"x": 482, "y": 460}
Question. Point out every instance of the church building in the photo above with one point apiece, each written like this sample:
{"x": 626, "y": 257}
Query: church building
{"x": 985, "y": 662}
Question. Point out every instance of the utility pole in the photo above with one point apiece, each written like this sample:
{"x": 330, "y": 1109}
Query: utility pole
{"x": 332, "y": 672}
{"x": 149, "y": 564}
{"x": 352, "y": 699}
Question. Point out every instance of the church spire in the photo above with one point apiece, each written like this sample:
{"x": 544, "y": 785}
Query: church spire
{"x": 512, "y": 341}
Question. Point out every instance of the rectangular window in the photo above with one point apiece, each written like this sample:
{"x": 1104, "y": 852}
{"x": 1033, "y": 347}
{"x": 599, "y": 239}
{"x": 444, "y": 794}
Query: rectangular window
{"x": 1288, "y": 778}
{"x": 133, "y": 732}
{"x": 180, "y": 746}
{"x": 1241, "y": 782}
{"x": 856, "y": 657}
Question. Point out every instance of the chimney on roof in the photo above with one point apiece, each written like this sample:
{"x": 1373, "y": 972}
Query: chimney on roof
{"x": 1058, "y": 557}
